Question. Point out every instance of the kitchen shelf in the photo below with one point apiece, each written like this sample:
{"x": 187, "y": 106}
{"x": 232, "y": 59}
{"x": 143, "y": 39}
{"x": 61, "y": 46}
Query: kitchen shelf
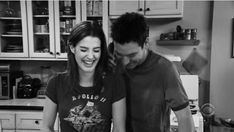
{"x": 17, "y": 35}
{"x": 68, "y": 16}
{"x": 10, "y": 18}
{"x": 39, "y": 33}
{"x": 178, "y": 42}
{"x": 41, "y": 16}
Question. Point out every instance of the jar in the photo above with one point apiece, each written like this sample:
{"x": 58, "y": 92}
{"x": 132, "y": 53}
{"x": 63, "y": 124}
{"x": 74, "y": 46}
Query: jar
{"x": 187, "y": 34}
{"x": 194, "y": 34}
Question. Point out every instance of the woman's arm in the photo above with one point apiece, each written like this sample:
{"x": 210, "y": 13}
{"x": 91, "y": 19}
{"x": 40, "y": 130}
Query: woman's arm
{"x": 49, "y": 115}
{"x": 119, "y": 115}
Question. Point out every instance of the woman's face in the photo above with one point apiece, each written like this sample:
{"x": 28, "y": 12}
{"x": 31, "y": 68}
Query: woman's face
{"x": 87, "y": 53}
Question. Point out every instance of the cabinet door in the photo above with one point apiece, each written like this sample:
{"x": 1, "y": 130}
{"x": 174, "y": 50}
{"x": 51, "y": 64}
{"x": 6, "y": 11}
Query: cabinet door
{"x": 7, "y": 120}
{"x": 168, "y": 8}
{"x": 41, "y": 28}
{"x": 13, "y": 29}
{"x": 92, "y": 10}
{"x": 67, "y": 14}
{"x": 96, "y": 10}
{"x": 119, "y": 7}
{"x": 30, "y": 120}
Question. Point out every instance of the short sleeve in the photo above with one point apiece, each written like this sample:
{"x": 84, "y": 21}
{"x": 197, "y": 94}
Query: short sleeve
{"x": 51, "y": 91}
{"x": 174, "y": 90}
{"x": 118, "y": 91}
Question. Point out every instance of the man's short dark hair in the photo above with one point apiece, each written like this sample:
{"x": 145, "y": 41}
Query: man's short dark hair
{"x": 130, "y": 27}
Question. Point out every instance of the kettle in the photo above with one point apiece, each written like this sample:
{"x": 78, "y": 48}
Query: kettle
{"x": 28, "y": 87}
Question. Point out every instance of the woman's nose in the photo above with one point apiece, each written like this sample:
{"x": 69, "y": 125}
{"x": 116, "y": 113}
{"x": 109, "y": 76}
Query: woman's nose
{"x": 90, "y": 55}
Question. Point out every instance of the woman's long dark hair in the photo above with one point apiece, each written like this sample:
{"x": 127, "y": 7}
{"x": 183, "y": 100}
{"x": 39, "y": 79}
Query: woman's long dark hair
{"x": 79, "y": 32}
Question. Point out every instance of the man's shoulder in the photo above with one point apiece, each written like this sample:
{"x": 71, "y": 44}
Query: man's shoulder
{"x": 160, "y": 59}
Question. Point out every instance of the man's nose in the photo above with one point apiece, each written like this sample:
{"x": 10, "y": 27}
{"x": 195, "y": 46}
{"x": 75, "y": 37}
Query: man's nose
{"x": 125, "y": 60}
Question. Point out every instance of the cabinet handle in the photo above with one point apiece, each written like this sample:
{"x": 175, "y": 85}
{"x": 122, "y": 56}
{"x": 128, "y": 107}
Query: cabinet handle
{"x": 36, "y": 122}
{"x": 51, "y": 53}
{"x": 57, "y": 53}
{"x": 147, "y": 9}
{"x": 140, "y": 9}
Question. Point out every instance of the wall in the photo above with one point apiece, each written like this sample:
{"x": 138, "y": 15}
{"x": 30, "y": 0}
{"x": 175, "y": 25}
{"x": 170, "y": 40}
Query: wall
{"x": 197, "y": 14}
{"x": 222, "y": 65}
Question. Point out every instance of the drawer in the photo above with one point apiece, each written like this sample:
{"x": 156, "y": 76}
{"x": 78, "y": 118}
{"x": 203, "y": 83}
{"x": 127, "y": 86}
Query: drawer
{"x": 7, "y": 120}
{"x": 8, "y": 130}
{"x": 30, "y": 120}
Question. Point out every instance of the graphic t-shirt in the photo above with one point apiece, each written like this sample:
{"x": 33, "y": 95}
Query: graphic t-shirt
{"x": 153, "y": 88}
{"x": 81, "y": 110}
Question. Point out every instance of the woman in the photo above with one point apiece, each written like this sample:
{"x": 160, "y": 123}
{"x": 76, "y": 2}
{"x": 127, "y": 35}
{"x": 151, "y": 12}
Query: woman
{"x": 88, "y": 96}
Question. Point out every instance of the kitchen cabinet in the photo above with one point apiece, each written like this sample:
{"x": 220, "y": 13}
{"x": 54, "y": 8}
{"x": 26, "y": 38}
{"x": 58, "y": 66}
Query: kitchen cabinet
{"x": 96, "y": 10}
{"x": 22, "y": 121}
{"x": 50, "y": 23}
{"x": 149, "y": 8}
{"x": 45, "y": 26}
{"x": 13, "y": 29}
{"x": 7, "y": 121}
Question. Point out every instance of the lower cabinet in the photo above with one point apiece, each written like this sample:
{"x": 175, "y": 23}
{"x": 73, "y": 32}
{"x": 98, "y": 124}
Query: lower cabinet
{"x": 23, "y": 121}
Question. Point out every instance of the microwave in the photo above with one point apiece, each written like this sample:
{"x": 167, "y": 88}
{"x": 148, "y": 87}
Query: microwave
{"x": 4, "y": 81}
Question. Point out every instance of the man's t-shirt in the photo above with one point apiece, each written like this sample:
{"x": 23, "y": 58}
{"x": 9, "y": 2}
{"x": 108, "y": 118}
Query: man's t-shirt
{"x": 152, "y": 89}
{"x": 81, "y": 110}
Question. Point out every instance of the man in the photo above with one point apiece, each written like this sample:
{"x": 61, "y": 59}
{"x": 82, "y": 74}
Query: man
{"x": 153, "y": 83}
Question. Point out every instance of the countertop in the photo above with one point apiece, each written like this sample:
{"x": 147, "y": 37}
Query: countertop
{"x": 22, "y": 104}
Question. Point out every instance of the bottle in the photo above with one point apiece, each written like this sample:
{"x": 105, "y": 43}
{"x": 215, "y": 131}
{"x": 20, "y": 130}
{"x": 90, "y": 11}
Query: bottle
{"x": 194, "y": 34}
{"x": 187, "y": 34}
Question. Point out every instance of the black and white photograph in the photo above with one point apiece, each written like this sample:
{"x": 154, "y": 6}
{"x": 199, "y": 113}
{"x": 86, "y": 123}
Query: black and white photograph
{"x": 116, "y": 66}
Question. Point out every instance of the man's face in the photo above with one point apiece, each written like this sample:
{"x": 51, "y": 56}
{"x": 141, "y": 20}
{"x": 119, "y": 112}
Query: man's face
{"x": 130, "y": 54}
{"x": 87, "y": 53}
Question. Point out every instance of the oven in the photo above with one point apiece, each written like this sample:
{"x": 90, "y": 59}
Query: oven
{"x": 4, "y": 81}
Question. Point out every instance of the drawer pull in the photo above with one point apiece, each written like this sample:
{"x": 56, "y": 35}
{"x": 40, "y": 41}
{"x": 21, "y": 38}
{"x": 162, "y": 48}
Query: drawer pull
{"x": 37, "y": 122}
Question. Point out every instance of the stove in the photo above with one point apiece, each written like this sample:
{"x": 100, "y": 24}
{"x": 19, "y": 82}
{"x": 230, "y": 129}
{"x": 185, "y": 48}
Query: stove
{"x": 191, "y": 86}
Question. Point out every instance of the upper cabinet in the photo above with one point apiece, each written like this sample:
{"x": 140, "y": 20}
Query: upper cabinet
{"x": 149, "y": 8}
{"x": 50, "y": 23}
{"x": 13, "y": 29}
{"x": 39, "y": 29}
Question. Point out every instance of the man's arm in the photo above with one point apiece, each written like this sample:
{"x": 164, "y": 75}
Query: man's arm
{"x": 185, "y": 120}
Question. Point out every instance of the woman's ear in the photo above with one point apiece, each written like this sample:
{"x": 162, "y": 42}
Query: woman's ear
{"x": 72, "y": 48}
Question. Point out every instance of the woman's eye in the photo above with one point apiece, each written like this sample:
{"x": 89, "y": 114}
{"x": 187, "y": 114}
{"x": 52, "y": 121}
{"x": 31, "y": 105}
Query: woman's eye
{"x": 83, "y": 50}
{"x": 96, "y": 50}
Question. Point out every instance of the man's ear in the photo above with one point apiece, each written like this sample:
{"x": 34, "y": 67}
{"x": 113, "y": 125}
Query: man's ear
{"x": 72, "y": 48}
{"x": 146, "y": 45}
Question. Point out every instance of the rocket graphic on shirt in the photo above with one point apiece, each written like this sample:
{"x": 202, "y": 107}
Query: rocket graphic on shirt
{"x": 84, "y": 117}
